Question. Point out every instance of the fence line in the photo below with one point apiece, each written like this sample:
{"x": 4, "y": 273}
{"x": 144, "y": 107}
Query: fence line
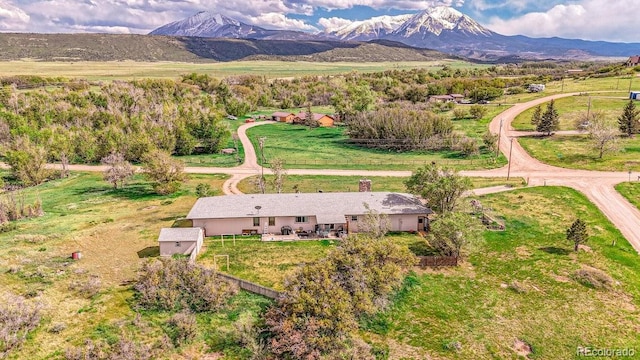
{"x": 251, "y": 287}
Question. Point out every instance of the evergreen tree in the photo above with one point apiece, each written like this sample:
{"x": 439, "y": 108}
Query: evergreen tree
{"x": 629, "y": 120}
{"x": 550, "y": 119}
{"x": 536, "y": 118}
{"x": 577, "y": 233}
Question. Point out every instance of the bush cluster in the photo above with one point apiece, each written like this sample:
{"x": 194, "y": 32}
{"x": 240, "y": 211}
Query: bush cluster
{"x": 177, "y": 284}
{"x": 320, "y": 307}
{"x": 18, "y": 318}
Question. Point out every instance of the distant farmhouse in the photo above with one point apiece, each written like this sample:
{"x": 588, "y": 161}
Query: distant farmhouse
{"x": 536, "y": 88}
{"x": 633, "y": 61}
{"x": 322, "y": 119}
{"x": 305, "y": 214}
{"x": 457, "y": 98}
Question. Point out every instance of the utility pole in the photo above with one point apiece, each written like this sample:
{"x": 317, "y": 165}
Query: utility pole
{"x": 499, "y": 135}
{"x": 509, "y": 168}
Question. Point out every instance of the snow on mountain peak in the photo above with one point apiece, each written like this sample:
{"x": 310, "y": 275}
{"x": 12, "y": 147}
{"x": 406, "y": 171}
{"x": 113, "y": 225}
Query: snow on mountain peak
{"x": 438, "y": 19}
{"x": 371, "y": 28}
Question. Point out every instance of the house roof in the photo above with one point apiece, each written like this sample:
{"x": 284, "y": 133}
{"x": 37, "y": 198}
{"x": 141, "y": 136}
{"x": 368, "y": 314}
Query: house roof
{"x": 325, "y": 206}
{"x": 316, "y": 116}
{"x": 281, "y": 114}
{"x": 180, "y": 234}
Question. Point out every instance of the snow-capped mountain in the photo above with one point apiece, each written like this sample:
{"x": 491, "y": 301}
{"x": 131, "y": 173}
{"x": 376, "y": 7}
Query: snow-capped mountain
{"x": 440, "y": 28}
{"x": 438, "y": 21}
{"x": 207, "y": 24}
{"x": 374, "y": 28}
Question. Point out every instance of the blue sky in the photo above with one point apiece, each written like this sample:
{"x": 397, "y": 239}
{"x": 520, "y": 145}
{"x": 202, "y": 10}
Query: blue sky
{"x": 610, "y": 20}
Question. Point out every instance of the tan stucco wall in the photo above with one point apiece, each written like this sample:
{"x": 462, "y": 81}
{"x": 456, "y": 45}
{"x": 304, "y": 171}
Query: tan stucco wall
{"x": 215, "y": 227}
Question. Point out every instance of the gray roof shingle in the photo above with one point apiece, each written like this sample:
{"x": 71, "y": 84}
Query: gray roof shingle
{"x": 180, "y": 234}
{"x": 305, "y": 204}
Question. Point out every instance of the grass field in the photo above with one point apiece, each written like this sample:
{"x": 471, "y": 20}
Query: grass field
{"x": 631, "y": 191}
{"x": 572, "y": 108}
{"x": 574, "y": 151}
{"x": 314, "y": 183}
{"x": 272, "y": 69}
{"x": 325, "y": 148}
{"x": 114, "y": 230}
{"x": 519, "y": 285}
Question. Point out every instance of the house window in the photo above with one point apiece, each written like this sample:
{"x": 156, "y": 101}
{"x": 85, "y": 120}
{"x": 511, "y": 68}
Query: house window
{"x": 177, "y": 243}
{"x": 272, "y": 221}
{"x": 302, "y": 219}
{"x": 256, "y": 221}
{"x": 354, "y": 217}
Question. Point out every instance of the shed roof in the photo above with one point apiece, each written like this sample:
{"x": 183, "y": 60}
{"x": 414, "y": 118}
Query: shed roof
{"x": 180, "y": 234}
{"x": 281, "y": 114}
{"x": 316, "y": 116}
{"x": 327, "y": 206}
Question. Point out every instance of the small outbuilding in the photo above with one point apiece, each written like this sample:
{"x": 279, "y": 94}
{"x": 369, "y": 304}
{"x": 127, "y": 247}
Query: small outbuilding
{"x": 283, "y": 116}
{"x": 182, "y": 241}
{"x": 322, "y": 119}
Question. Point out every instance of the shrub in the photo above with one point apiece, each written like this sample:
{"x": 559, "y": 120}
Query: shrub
{"x": 204, "y": 190}
{"x": 460, "y": 113}
{"x": 593, "y": 278}
{"x": 18, "y": 318}
{"x": 123, "y": 349}
{"x": 175, "y": 284}
{"x": 88, "y": 287}
{"x": 183, "y": 328}
{"x": 468, "y": 146}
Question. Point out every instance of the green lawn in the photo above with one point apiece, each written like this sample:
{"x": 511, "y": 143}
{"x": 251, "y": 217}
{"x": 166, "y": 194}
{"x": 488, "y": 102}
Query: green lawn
{"x": 631, "y": 191}
{"x": 325, "y": 148}
{"x": 575, "y": 151}
{"x": 519, "y": 285}
{"x": 314, "y": 183}
{"x": 572, "y": 108}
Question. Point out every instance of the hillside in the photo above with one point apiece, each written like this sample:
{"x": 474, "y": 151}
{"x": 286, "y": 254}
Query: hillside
{"x": 111, "y": 47}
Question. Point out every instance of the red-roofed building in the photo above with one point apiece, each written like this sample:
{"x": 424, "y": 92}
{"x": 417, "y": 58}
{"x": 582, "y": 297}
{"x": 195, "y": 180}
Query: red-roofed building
{"x": 633, "y": 60}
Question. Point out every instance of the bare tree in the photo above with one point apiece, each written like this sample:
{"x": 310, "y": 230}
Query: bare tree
{"x": 279, "y": 173}
{"x": 119, "y": 170}
{"x": 374, "y": 224}
{"x": 604, "y": 134}
{"x": 262, "y": 182}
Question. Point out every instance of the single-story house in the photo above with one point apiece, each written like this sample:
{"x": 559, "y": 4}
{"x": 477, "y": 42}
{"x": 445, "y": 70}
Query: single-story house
{"x": 182, "y": 241}
{"x": 457, "y": 97}
{"x": 633, "y": 60}
{"x": 322, "y": 119}
{"x": 305, "y": 212}
{"x": 441, "y": 98}
{"x": 283, "y": 116}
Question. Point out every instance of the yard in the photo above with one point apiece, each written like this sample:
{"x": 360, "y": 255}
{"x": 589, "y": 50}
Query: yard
{"x": 572, "y": 108}
{"x": 516, "y": 287}
{"x": 326, "y": 148}
{"x": 631, "y": 191}
{"x": 575, "y": 152}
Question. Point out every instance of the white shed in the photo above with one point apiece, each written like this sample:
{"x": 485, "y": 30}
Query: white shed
{"x": 183, "y": 241}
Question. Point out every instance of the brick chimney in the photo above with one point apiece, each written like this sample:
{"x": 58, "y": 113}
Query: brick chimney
{"x": 365, "y": 185}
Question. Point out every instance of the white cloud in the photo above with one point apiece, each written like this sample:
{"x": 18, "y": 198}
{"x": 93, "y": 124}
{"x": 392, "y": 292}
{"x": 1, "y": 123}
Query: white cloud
{"x": 588, "y": 19}
{"x": 279, "y": 21}
{"x": 333, "y": 23}
{"x": 383, "y": 4}
{"x": 12, "y": 18}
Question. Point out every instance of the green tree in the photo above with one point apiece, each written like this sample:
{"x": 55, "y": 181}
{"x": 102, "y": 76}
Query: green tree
{"x": 452, "y": 233}
{"x": 629, "y": 120}
{"x": 28, "y": 161}
{"x": 490, "y": 141}
{"x": 441, "y": 188}
{"x": 577, "y": 233}
{"x": 550, "y": 120}
{"x": 477, "y": 112}
{"x": 166, "y": 173}
{"x": 536, "y": 117}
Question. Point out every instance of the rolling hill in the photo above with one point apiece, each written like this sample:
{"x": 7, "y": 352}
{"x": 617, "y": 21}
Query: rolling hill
{"x": 113, "y": 47}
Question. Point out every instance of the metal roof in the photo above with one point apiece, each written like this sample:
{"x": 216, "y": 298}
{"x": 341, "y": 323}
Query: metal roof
{"x": 180, "y": 234}
{"x": 325, "y": 205}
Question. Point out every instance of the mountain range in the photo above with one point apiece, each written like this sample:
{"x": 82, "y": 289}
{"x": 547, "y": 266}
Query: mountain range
{"x": 441, "y": 28}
